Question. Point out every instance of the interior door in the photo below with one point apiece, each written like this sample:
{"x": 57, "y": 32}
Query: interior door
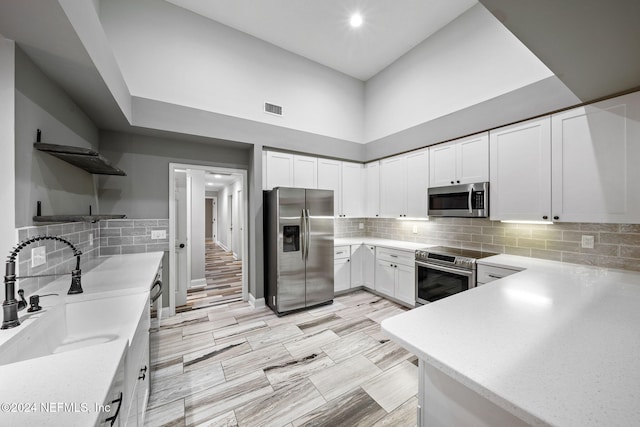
{"x": 230, "y": 225}
{"x": 239, "y": 229}
{"x": 319, "y": 267}
{"x": 214, "y": 226}
{"x": 182, "y": 273}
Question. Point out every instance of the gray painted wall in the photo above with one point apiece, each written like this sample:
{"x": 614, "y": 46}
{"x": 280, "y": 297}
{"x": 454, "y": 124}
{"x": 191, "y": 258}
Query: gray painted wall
{"x": 62, "y": 188}
{"x": 144, "y": 192}
{"x": 7, "y": 144}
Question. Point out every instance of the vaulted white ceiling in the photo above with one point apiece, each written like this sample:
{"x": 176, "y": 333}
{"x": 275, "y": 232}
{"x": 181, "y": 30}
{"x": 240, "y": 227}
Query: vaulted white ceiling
{"x": 319, "y": 29}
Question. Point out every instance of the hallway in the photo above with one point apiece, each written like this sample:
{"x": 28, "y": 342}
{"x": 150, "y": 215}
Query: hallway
{"x": 224, "y": 280}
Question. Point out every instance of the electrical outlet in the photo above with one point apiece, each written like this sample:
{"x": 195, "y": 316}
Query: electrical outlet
{"x": 38, "y": 256}
{"x": 361, "y": 226}
{"x": 90, "y": 239}
{"x": 415, "y": 229}
{"x": 158, "y": 234}
{"x": 587, "y": 242}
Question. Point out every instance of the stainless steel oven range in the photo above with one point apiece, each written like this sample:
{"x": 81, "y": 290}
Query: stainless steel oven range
{"x": 443, "y": 271}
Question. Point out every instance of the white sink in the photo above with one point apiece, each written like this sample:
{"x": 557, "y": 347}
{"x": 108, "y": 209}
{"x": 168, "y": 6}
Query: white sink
{"x": 74, "y": 325}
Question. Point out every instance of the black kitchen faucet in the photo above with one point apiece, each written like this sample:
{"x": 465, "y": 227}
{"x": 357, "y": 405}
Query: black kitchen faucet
{"x": 11, "y": 306}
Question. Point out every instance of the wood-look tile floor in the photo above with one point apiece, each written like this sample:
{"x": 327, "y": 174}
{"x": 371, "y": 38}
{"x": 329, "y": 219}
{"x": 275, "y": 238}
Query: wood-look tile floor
{"x": 224, "y": 280}
{"x": 232, "y": 365}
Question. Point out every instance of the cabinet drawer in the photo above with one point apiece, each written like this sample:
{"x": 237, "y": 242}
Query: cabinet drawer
{"x": 487, "y": 273}
{"x": 340, "y": 252}
{"x": 396, "y": 256}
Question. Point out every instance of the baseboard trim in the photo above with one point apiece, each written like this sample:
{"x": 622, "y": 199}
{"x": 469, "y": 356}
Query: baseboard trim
{"x": 165, "y": 312}
{"x": 223, "y": 246}
{"x": 256, "y": 303}
{"x": 198, "y": 282}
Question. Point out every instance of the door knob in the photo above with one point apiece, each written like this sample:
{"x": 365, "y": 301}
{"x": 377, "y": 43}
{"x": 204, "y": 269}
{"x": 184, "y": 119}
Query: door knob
{"x": 181, "y": 245}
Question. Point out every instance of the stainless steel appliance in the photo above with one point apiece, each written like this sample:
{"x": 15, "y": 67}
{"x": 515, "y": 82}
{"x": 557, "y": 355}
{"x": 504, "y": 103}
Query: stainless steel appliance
{"x": 464, "y": 200}
{"x": 442, "y": 272}
{"x": 298, "y": 236}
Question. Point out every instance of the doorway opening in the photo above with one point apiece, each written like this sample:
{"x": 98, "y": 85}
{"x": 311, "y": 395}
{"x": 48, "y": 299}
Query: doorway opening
{"x": 207, "y": 243}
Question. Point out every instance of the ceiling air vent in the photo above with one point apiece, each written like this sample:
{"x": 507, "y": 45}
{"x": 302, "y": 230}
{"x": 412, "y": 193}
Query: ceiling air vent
{"x": 274, "y": 109}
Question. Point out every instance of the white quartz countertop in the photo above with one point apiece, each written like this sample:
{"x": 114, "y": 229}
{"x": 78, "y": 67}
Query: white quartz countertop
{"x": 77, "y": 376}
{"x": 387, "y": 243}
{"x": 64, "y": 391}
{"x": 111, "y": 276}
{"x": 555, "y": 344}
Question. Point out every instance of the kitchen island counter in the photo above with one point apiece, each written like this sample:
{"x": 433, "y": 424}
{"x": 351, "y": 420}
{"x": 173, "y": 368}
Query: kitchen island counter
{"x": 557, "y": 344}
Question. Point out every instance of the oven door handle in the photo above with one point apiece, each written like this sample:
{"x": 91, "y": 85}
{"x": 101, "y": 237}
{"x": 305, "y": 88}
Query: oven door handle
{"x": 461, "y": 272}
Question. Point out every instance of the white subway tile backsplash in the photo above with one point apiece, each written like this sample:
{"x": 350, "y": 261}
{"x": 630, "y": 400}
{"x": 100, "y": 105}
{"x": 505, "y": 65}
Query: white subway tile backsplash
{"x": 108, "y": 239}
{"x": 616, "y": 245}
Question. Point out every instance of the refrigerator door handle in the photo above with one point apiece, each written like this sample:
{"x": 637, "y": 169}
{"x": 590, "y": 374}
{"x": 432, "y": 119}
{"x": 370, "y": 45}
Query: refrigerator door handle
{"x": 303, "y": 235}
{"x": 308, "y": 231}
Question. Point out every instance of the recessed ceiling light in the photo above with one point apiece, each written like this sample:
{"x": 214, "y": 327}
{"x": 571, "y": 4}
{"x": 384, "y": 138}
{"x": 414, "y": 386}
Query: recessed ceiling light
{"x": 356, "y": 20}
{"x": 209, "y": 183}
{"x": 217, "y": 176}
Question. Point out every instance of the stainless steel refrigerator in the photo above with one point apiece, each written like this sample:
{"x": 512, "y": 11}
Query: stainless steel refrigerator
{"x": 298, "y": 225}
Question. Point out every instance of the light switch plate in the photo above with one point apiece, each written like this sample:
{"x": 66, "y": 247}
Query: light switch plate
{"x": 361, "y": 226}
{"x": 415, "y": 229}
{"x": 587, "y": 242}
{"x": 38, "y": 256}
{"x": 158, "y": 234}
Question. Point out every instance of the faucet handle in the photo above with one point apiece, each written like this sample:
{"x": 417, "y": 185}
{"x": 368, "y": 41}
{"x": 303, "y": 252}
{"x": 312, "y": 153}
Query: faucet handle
{"x": 34, "y": 303}
{"x": 22, "y": 304}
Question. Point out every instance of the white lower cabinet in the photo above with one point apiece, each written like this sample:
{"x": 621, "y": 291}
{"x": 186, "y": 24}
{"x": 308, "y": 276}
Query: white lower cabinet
{"x": 112, "y": 415}
{"x": 368, "y": 266}
{"x": 489, "y": 273}
{"x": 341, "y": 269}
{"x": 390, "y": 272}
{"x": 137, "y": 372}
{"x": 395, "y": 274}
{"x": 357, "y": 258}
{"x": 405, "y": 283}
{"x": 385, "y": 277}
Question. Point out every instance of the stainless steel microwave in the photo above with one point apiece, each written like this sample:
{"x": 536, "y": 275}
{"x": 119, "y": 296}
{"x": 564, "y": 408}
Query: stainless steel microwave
{"x": 463, "y": 200}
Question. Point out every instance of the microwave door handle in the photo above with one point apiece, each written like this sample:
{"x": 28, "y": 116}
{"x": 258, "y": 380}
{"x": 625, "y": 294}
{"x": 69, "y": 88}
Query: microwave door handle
{"x": 470, "y": 196}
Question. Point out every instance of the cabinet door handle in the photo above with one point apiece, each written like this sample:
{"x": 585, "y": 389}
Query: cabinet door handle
{"x": 556, "y": 217}
{"x": 142, "y": 377}
{"x": 393, "y": 256}
{"x": 545, "y": 217}
{"x": 115, "y": 416}
{"x": 493, "y": 276}
{"x": 338, "y": 253}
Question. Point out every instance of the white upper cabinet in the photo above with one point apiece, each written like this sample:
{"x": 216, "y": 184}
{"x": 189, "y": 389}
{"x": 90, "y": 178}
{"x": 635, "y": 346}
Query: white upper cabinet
{"x": 403, "y": 185}
{"x": 595, "y": 162}
{"x": 520, "y": 165}
{"x": 290, "y": 170}
{"x": 279, "y": 170}
{"x": 472, "y": 156}
{"x": 463, "y": 161}
{"x": 393, "y": 182}
{"x": 352, "y": 190}
{"x": 372, "y": 191}
{"x": 330, "y": 178}
{"x": 442, "y": 164}
{"x": 305, "y": 172}
{"x": 417, "y": 170}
